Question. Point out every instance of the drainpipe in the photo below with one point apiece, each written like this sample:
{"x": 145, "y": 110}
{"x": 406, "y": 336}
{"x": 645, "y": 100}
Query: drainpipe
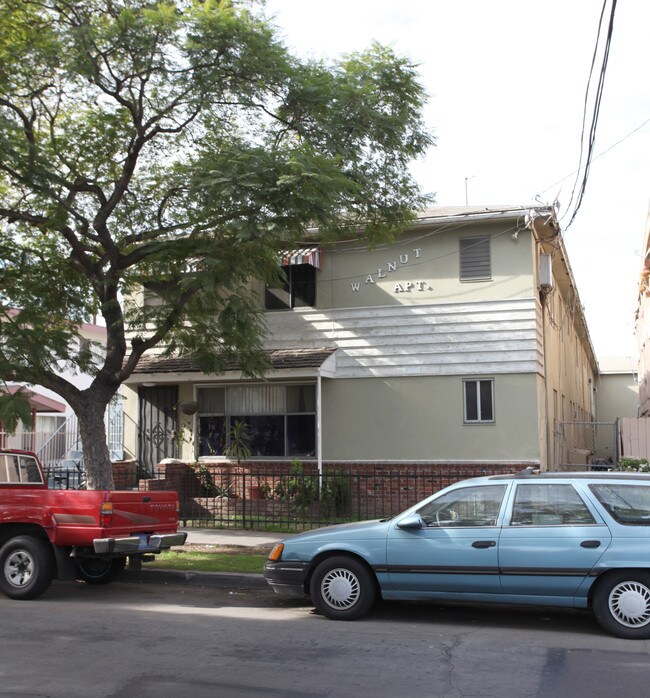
{"x": 549, "y": 415}
{"x": 319, "y": 429}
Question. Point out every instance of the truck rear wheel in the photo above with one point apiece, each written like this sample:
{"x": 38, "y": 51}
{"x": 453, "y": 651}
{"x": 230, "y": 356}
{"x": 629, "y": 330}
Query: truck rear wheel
{"x": 97, "y": 570}
{"x": 26, "y": 567}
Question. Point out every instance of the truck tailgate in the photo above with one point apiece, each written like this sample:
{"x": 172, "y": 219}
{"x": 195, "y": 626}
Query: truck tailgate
{"x": 80, "y": 516}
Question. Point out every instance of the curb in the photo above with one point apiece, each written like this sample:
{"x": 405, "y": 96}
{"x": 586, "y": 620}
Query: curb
{"x": 221, "y": 580}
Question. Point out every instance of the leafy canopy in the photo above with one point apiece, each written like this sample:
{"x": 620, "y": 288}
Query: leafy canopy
{"x": 176, "y": 146}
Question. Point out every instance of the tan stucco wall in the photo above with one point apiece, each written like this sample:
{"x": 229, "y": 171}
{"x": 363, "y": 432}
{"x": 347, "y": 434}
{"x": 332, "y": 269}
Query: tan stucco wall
{"x": 422, "y": 419}
{"x": 618, "y": 396}
{"x": 430, "y": 262}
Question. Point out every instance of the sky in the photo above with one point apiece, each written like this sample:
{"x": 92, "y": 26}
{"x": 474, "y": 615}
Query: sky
{"x": 506, "y": 81}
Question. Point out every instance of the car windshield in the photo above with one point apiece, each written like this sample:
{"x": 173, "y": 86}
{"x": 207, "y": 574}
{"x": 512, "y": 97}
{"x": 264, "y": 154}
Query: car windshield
{"x": 627, "y": 504}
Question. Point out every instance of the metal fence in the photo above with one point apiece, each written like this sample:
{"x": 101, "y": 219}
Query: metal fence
{"x": 297, "y": 498}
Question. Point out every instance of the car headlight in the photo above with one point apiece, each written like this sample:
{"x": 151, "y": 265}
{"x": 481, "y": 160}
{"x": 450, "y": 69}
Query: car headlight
{"x": 276, "y": 553}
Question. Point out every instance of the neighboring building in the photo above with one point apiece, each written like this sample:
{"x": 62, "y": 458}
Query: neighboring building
{"x": 55, "y": 431}
{"x": 618, "y": 403}
{"x": 47, "y": 419}
{"x": 643, "y": 327}
{"x": 463, "y": 342}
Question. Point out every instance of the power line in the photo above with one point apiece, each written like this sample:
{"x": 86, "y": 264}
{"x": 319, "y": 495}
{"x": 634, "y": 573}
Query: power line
{"x": 600, "y": 155}
{"x": 589, "y": 136}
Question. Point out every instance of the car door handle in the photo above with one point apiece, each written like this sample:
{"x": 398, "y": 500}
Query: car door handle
{"x": 590, "y": 544}
{"x": 484, "y": 544}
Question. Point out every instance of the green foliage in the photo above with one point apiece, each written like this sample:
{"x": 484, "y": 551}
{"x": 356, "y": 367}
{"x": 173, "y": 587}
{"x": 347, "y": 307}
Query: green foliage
{"x": 638, "y": 465}
{"x": 238, "y": 445}
{"x": 336, "y": 495}
{"x": 175, "y": 147}
{"x": 209, "y": 488}
{"x": 303, "y": 490}
{"x": 14, "y": 409}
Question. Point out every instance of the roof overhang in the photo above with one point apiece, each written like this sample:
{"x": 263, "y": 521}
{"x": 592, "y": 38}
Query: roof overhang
{"x": 286, "y": 364}
{"x": 38, "y": 403}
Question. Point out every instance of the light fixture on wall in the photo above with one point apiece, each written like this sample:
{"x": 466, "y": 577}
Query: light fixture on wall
{"x": 148, "y": 385}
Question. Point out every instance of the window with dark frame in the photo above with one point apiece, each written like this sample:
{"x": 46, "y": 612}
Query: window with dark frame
{"x": 298, "y": 291}
{"x": 475, "y": 260}
{"x": 478, "y": 398}
{"x": 281, "y": 418}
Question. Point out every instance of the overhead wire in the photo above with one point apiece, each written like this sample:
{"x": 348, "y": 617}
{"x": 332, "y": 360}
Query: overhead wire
{"x": 589, "y": 136}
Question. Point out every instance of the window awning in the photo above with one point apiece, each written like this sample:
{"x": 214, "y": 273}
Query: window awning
{"x": 301, "y": 255}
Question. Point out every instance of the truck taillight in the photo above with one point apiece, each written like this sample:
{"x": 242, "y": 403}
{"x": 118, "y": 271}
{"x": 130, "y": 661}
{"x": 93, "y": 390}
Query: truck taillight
{"x": 106, "y": 514}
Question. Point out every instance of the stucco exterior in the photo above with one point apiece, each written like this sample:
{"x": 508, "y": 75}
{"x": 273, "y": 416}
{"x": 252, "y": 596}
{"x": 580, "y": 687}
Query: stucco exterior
{"x": 413, "y": 341}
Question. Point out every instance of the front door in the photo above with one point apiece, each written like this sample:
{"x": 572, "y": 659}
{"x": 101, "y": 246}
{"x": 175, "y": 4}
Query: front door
{"x": 158, "y": 425}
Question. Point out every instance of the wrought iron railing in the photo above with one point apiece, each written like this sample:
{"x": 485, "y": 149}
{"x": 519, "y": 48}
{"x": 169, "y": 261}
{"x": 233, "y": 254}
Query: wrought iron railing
{"x": 297, "y": 498}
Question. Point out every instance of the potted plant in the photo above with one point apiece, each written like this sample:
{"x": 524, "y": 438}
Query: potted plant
{"x": 239, "y": 447}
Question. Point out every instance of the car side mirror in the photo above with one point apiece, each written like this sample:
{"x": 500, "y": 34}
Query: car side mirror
{"x": 412, "y": 521}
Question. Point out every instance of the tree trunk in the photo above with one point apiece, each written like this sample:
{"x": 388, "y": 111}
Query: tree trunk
{"x": 92, "y": 427}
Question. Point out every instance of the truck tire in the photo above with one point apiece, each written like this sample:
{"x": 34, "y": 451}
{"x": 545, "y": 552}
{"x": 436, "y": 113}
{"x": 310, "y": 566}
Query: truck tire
{"x": 26, "y": 567}
{"x": 97, "y": 570}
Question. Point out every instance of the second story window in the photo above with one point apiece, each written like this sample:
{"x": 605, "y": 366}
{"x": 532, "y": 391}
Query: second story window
{"x": 298, "y": 291}
{"x": 475, "y": 262}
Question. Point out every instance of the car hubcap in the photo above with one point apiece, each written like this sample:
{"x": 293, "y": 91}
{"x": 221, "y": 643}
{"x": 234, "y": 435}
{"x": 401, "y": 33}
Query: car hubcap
{"x": 19, "y": 568}
{"x": 629, "y": 603}
{"x": 340, "y": 589}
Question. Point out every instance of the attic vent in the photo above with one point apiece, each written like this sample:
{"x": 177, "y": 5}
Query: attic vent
{"x": 545, "y": 271}
{"x": 475, "y": 264}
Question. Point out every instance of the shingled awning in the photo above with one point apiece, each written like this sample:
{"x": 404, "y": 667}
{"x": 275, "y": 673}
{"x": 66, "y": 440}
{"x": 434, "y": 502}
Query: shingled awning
{"x": 280, "y": 359}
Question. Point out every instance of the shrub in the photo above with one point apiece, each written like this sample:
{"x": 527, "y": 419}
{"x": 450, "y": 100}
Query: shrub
{"x": 637, "y": 465}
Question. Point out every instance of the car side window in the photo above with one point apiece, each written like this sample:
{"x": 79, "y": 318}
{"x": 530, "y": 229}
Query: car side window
{"x": 627, "y": 504}
{"x": 466, "y": 506}
{"x": 548, "y": 504}
{"x": 9, "y": 470}
{"x": 29, "y": 470}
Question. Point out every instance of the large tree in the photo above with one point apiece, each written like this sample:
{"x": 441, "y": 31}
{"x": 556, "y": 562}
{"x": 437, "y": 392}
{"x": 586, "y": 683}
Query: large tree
{"x": 175, "y": 147}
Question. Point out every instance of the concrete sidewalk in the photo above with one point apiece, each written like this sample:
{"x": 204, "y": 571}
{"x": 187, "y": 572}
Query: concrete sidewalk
{"x": 229, "y": 536}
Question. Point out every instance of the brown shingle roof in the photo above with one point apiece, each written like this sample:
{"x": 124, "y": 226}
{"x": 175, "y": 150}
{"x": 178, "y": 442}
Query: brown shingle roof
{"x": 280, "y": 358}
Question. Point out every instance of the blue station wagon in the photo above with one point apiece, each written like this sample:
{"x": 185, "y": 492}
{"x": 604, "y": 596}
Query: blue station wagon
{"x": 579, "y": 540}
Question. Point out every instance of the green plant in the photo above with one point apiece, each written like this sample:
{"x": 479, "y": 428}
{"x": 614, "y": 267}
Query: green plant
{"x": 298, "y": 488}
{"x": 208, "y": 486}
{"x": 638, "y": 465}
{"x": 335, "y": 495}
{"x": 239, "y": 442}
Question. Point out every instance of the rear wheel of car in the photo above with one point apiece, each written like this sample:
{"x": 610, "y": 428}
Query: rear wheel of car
{"x": 621, "y": 604}
{"x": 342, "y": 588}
{"x": 26, "y": 567}
{"x": 97, "y": 570}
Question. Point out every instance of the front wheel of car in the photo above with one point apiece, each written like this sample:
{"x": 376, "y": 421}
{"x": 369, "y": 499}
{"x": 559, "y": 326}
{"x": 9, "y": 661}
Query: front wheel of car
{"x": 621, "y": 604}
{"x": 342, "y": 588}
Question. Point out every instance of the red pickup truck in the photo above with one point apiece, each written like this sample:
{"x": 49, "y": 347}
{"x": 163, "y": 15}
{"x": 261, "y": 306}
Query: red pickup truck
{"x": 74, "y": 534}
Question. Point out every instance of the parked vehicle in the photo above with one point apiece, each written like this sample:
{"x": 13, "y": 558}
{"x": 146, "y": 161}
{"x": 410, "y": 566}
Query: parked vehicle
{"x": 579, "y": 540}
{"x": 74, "y": 534}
